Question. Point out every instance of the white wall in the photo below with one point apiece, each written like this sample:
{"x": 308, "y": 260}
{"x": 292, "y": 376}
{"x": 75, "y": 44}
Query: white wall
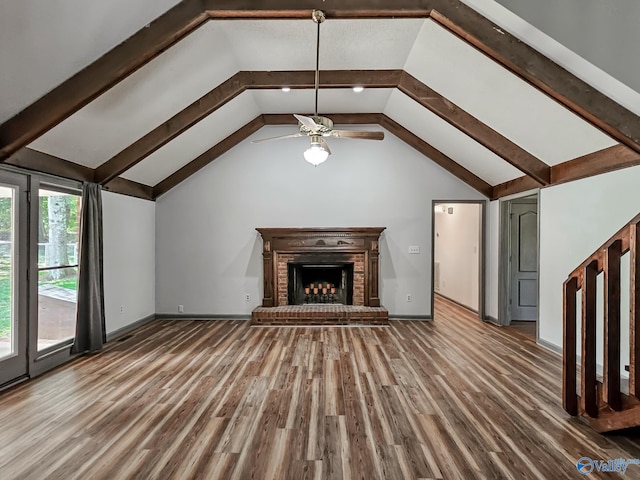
{"x": 457, "y": 249}
{"x": 209, "y": 254}
{"x": 575, "y": 219}
{"x": 129, "y": 259}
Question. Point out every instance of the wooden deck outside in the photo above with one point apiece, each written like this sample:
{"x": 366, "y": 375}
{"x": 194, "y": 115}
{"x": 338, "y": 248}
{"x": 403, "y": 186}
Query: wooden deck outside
{"x": 453, "y": 398}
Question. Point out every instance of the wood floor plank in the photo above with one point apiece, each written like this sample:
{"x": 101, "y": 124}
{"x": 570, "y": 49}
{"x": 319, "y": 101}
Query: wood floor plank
{"x": 452, "y": 398}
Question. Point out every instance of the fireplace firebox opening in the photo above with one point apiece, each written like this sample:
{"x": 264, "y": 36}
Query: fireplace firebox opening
{"x": 309, "y": 283}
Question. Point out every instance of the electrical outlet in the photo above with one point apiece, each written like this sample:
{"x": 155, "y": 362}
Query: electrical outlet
{"x": 180, "y": 308}
{"x": 414, "y": 249}
{"x": 247, "y": 297}
{"x": 408, "y": 297}
{"x": 121, "y": 308}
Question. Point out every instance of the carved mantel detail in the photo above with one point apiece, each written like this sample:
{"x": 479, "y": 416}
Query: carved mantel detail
{"x": 359, "y": 240}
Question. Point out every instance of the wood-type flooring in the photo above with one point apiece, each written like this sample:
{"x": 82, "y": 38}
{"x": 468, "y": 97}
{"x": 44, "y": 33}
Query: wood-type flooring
{"x": 453, "y": 398}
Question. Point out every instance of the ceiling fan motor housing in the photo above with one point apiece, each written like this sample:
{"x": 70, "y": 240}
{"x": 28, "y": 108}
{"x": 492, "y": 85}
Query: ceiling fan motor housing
{"x": 324, "y": 127}
{"x": 318, "y": 16}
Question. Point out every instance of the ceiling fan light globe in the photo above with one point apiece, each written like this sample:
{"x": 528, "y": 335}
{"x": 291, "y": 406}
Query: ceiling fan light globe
{"x": 315, "y": 155}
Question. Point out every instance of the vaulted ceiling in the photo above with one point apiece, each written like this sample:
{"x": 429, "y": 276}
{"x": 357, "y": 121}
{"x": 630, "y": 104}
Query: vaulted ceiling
{"x": 207, "y": 75}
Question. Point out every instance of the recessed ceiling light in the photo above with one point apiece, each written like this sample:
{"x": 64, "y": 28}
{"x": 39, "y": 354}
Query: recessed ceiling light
{"x": 286, "y": 89}
{"x": 358, "y": 88}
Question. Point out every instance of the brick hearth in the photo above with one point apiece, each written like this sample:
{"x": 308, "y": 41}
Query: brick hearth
{"x": 320, "y": 315}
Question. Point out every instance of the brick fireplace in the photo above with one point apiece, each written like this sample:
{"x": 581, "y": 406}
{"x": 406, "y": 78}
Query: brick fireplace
{"x": 327, "y": 274}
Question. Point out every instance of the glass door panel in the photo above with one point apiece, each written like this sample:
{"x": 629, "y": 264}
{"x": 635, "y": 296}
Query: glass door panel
{"x": 13, "y": 330}
{"x": 58, "y": 239}
{"x": 8, "y": 330}
{"x": 57, "y": 301}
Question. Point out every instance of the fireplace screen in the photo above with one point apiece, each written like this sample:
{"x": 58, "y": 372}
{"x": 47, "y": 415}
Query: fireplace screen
{"x": 320, "y": 283}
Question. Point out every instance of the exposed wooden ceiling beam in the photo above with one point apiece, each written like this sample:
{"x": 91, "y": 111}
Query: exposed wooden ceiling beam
{"x": 128, "y": 187}
{"x": 226, "y": 91}
{"x": 602, "y": 161}
{"x": 305, "y": 14}
{"x": 301, "y": 9}
{"x": 517, "y": 185}
{"x": 45, "y": 163}
{"x": 327, "y": 79}
{"x": 435, "y": 155}
{"x": 596, "y": 163}
{"x": 207, "y": 157}
{"x": 76, "y": 92}
{"x": 480, "y": 132}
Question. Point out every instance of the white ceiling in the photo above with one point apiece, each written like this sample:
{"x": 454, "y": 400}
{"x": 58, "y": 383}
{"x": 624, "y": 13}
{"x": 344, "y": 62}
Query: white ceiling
{"x": 344, "y": 44}
{"x": 338, "y": 100}
{"x": 220, "y": 48}
{"x": 44, "y": 43}
{"x": 198, "y": 139}
{"x": 562, "y": 54}
{"x": 449, "y": 140}
{"x": 143, "y": 100}
{"x": 500, "y": 99}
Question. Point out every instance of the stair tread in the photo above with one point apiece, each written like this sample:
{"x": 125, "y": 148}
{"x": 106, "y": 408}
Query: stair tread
{"x": 609, "y": 420}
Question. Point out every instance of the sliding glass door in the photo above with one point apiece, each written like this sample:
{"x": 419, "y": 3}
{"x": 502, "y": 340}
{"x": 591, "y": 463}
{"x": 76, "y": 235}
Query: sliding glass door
{"x": 39, "y": 250}
{"x": 13, "y": 276}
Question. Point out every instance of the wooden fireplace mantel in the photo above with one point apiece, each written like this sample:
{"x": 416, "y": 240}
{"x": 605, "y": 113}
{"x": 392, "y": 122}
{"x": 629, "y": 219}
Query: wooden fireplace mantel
{"x": 313, "y": 241}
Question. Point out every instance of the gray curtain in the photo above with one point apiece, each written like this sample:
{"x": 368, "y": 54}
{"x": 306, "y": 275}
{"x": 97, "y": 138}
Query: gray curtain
{"x": 90, "y": 325}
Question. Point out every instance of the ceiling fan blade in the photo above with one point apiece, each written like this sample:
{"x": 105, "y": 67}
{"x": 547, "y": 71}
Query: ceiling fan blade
{"x": 357, "y": 134}
{"x": 307, "y": 121}
{"x": 324, "y": 144}
{"x": 277, "y": 138}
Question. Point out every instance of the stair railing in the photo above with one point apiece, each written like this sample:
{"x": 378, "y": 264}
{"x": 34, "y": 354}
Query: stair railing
{"x": 596, "y": 396}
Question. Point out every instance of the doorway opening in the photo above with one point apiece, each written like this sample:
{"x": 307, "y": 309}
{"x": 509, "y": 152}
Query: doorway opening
{"x": 519, "y": 265}
{"x": 458, "y": 253}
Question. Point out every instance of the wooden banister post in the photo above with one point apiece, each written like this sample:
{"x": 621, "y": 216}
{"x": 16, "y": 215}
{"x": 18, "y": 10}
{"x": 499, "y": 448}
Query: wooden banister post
{"x": 569, "y": 392}
{"x": 588, "y": 390}
{"x": 611, "y": 381}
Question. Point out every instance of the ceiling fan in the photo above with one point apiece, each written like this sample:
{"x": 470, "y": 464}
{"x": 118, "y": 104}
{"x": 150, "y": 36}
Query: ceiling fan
{"x": 318, "y": 127}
